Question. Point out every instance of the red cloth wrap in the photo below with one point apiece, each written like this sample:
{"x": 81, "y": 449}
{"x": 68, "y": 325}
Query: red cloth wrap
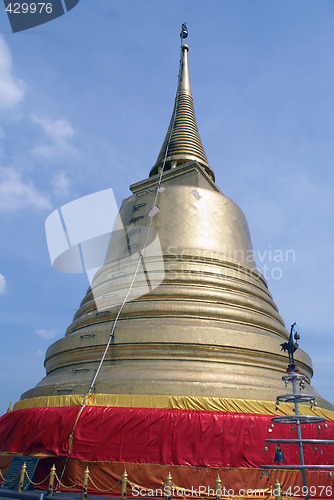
{"x": 157, "y": 436}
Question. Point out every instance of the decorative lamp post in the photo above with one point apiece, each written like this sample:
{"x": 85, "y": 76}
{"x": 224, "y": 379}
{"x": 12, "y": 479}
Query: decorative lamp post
{"x": 296, "y": 397}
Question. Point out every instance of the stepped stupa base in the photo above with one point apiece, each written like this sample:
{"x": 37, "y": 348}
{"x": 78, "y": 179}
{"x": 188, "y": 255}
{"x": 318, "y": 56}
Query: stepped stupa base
{"x": 194, "y": 438}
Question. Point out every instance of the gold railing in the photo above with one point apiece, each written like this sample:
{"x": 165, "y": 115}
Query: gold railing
{"x": 169, "y": 486}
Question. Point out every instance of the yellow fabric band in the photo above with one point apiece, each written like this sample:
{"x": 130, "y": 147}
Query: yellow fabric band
{"x": 176, "y": 402}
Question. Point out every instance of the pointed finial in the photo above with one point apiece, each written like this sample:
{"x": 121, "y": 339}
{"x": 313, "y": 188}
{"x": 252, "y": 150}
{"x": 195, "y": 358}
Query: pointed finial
{"x": 184, "y": 82}
{"x": 184, "y": 31}
{"x": 182, "y": 142}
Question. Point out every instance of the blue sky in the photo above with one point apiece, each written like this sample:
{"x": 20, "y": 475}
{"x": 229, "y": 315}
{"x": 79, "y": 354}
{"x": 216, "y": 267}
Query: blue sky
{"x": 85, "y": 102}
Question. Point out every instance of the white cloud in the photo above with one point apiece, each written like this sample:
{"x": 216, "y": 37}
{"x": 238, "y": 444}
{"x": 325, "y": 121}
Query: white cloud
{"x": 60, "y": 184}
{"x": 11, "y": 89}
{"x": 2, "y": 284}
{"x": 45, "y": 334}
{"x": 15, "y": 194}
{"x": 59, "y": 132}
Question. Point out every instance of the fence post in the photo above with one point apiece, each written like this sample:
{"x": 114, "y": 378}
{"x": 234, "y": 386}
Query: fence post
{"x": 84, "y": 493}
{"x": 277, "y": 490}
{"x": 51, "y": 480}
{"x": 124, "y": 484}
{"x": 22, "y": 476}
{"x": 218, "y": 487}
{"x": 169, "y": 484}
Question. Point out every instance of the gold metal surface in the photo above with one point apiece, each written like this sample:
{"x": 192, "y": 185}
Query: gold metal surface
{"x": 182, "y": 138}
{"x": 210, "y": 328}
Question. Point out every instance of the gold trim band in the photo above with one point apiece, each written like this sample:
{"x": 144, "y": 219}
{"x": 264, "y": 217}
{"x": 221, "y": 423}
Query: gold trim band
{"x": 171, "y": 402}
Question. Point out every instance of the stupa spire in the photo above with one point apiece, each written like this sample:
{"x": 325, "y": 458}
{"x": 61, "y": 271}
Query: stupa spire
{"x": 182, "y": 141}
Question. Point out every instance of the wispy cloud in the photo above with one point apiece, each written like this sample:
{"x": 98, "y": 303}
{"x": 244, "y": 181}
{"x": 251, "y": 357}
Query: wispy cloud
{"x": 58, "y": 132}
{"x": 45, "y": 334}
{"x": 11, "y": 88}
{"x": 60, "y": 184}
{"x": 2, "y": 284}
{"x": 15, "y": 194}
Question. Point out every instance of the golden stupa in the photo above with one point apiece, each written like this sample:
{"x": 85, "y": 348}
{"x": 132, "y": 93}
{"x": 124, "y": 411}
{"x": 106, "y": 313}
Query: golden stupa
{"x": 211, "y": 328}
{"x": 182, "y": 373}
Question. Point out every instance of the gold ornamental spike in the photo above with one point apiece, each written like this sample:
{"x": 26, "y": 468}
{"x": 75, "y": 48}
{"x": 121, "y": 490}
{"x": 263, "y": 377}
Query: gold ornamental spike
{"x": 182, "y": 139}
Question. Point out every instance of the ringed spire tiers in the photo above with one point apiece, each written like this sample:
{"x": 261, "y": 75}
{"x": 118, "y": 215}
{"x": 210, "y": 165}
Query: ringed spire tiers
{"x": 182, "y": 142}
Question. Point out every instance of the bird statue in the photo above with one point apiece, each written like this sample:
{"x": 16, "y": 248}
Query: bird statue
{"x": 291, "y": 347}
